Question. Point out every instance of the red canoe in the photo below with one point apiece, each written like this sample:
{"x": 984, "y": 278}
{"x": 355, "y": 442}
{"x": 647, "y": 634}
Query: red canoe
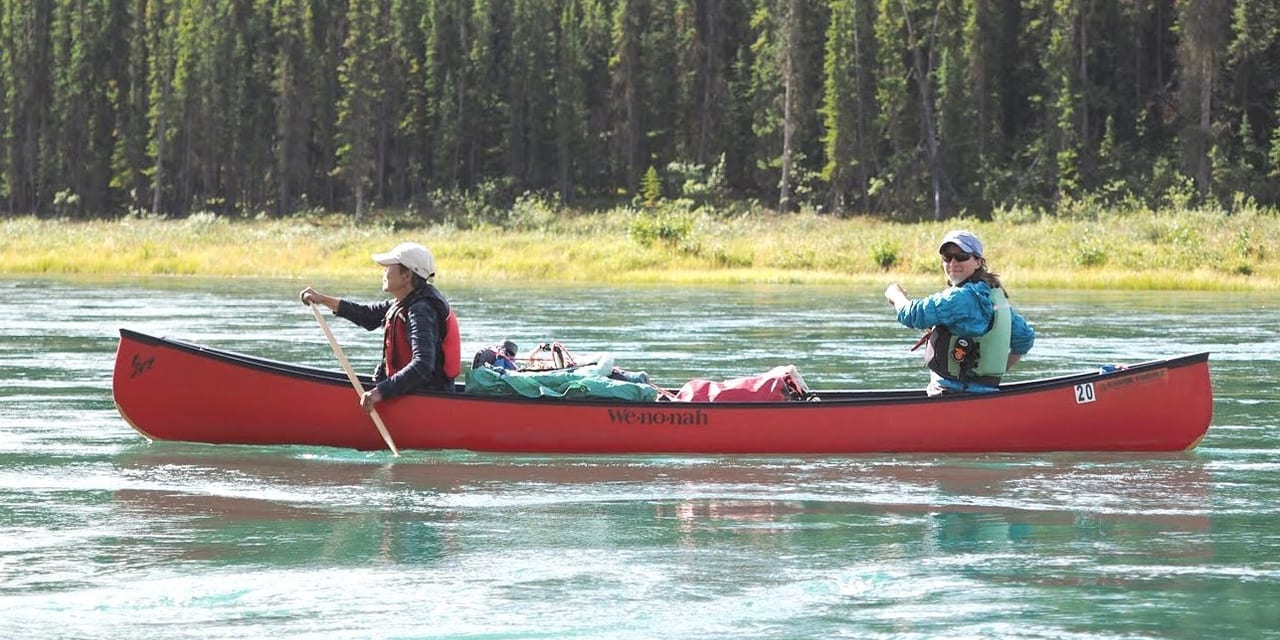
{"x": 174, "y": 390}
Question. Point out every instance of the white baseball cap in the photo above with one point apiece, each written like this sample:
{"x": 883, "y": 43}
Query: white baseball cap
{"x": 412, "y": 255}
{"x": 967, "y": 242}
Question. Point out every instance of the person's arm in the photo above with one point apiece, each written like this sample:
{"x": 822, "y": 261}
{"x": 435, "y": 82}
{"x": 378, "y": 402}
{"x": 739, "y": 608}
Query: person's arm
{"x": 368, "y": 316}
{"x": 1021, "y": 338}
{"x": 917, "y": 314}
{"x": 958, "y": 308}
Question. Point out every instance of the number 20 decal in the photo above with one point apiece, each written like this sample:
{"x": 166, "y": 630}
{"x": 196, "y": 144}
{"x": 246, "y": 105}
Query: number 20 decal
{"x": 1084, "y": 393}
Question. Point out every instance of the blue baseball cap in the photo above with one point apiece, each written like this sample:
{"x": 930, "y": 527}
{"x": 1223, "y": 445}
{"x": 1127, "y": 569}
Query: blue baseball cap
{"x": 967, "y": 242}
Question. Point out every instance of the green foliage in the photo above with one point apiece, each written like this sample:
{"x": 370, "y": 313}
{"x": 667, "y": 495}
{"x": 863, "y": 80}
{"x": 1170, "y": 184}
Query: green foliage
{"x": 1015, "y": 215}
{"x": 490, "y": 203}
{"x": 65, "y": 202}
{"x": 251, "y": 106}
{"x": 1192, "y": 249}
{"x": 727, "y": 259}
{"x": 532, "y": 212}
{"x": 671, "y": 225}
{"x": 1273, "y": 154}
{"x": 885, "y": 254}
{"x": 795, "y": 258}
{"x": 651, "y": 188}
{"x": 697, "y": 182}
{"x": 1089, "y": 252}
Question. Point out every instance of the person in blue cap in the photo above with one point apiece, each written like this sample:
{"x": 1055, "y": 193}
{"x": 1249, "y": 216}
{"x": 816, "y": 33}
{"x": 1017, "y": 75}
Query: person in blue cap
{"x": 974, "y": 335}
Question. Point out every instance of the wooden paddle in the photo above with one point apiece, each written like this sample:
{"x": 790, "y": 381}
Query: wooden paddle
{"x": 351, "y": 375}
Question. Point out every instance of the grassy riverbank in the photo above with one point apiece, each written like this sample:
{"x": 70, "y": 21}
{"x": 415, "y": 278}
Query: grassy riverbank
{"x": 1191, "y": 249}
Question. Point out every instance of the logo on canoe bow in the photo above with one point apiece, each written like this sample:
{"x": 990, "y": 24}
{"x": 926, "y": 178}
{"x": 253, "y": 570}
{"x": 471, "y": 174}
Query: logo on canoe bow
{"x": 140, "y": 365}
{"x": 676, "y": 418}
{"x": 1158, "y": 375}
{"x": 1089, "y": 391}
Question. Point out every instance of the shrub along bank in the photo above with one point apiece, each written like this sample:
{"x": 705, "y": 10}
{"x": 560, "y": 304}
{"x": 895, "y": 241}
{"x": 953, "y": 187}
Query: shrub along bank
{"x": 672, "y": 242}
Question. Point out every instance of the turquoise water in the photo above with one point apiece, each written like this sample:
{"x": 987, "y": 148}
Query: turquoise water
{"x": 104, "y": 535}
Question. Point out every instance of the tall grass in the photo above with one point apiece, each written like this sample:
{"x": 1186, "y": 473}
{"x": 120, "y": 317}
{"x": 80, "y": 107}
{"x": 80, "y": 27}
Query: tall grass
{"x": 674, "y": 241}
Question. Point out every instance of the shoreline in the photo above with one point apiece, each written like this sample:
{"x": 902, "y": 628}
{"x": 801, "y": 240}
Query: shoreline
{"x": 1187, "y": 251}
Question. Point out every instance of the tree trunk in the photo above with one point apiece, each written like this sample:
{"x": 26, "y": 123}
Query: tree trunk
{"x": 790, "y": 42}
{"x": 1203, "y": 169}
{"x": 162, "y": 121}
{"x": 1086, "y": 165}
{"x": 923, "y": 69}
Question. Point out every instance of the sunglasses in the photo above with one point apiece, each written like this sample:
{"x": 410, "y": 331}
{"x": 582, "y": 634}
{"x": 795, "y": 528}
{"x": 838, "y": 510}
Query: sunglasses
{"x": 956, "y": 257}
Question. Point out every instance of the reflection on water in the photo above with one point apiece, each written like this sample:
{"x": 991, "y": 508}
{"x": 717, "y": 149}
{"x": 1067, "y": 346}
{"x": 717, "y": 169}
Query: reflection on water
{"x": 99, "y": 530}
{"x": 319, "y": 510}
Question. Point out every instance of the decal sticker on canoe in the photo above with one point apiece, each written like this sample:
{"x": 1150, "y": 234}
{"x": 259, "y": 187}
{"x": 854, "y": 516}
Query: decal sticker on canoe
{"x": 651, "y": 417}
{"x": 1088, "y": 392}
{"x": 1084, "y": 393}
{"x": 140, "y": 366}
{"x": 1157, "y": 375}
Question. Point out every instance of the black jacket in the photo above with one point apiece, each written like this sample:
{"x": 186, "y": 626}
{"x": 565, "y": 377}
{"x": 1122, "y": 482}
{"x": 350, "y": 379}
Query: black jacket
{"x": 428, "y": 311}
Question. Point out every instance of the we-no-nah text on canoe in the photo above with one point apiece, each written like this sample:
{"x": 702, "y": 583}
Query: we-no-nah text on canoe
{"x": 630, "y": 416}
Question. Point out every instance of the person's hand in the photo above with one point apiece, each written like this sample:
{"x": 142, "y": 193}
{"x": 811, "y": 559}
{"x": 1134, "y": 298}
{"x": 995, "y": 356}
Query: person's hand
{"x": 370, "y": 397}
{"x": 311, "y": 296}
{"x": 895, "y": 294}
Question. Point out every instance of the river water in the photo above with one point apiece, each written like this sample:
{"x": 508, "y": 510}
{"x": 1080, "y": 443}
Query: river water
{"x": 105, "y": 535}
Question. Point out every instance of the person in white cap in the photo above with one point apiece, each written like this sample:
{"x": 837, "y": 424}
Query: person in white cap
{"x": 420, "y": 345}
{"x": 974, "y": 335}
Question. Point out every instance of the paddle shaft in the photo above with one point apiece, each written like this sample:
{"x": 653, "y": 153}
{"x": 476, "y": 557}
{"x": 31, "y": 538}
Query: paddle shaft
{"x": 351, "y": 375}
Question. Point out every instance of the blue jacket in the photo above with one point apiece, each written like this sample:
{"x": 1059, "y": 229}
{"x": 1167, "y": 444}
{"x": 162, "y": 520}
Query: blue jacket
{"x": 967, "y": 311}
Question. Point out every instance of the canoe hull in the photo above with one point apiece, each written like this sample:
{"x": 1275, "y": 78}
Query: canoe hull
{"x": 173, "y": 390}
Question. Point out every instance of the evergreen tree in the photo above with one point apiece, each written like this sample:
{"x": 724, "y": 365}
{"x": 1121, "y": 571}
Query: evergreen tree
{"x": 967, "y": 81}
{"x": 791, "y": 55}
{"x": 593, "y": 157}
{"x": 1063, "y": 138}
{"x": 87, "y": 71}
{"x": 570, "y": 76}
{"x": 767, "y": 89}
{"x": 531, "y": 115}
{"x": 358, "y": 102}
{"x": 839, "y": 104}
{"x": 1198, "y": 62}
{"x": 162, "y": 26}
{"x": 625, "y": 65}
{"x": 1252, "y": 59}
{"x": 324, "y": 36}
{"x": 293, "y": 95}
{"x": 130, "y": 101}
{"x": 849, "y": 106}
{"x": 909, "y": 107}
{"x": 661, "y": 79}
{"x": 28, "y": 103}
{"x": 1273, "y": 153}
{"x": 405, "y": 126}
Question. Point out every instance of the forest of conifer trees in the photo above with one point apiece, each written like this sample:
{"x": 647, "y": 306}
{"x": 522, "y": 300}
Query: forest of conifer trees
{"x": 900, "y": 108}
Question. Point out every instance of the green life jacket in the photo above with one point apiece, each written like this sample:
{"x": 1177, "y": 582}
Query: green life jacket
{"x": 974, "y": 359}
